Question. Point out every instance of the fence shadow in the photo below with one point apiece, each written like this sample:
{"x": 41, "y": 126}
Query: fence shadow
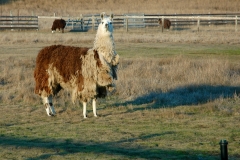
{"x": 176, "y": 28}
{"x": 4, "y": 1}
{"x": 64, "y": 147}
{"x": 186, "y": 95}
{"x": 78, "y": 30}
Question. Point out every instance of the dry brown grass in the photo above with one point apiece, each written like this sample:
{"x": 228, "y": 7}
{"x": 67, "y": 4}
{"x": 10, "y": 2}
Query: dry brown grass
{"x": 75, "y": 8}
{"x": 177, "y": 77}
{"x": 208, "y": 35}
{"x": 175, "y": 107}
{"x": 149, "y": 78}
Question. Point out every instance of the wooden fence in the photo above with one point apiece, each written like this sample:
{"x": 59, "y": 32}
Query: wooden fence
{"x": 19, "y": 22}
{"x": 126, "y": 21}
{"x": 90, "y": 22}
{"x": 198, "y": 20}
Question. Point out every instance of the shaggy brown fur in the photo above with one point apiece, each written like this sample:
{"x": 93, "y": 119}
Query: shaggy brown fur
{"x": 59, "y": 24}
{"x": 167, "y": 23}
{"x": 67, "y": 60}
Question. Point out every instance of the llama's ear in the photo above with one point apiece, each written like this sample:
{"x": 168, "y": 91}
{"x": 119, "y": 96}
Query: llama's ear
{"x": 102, "y": 15}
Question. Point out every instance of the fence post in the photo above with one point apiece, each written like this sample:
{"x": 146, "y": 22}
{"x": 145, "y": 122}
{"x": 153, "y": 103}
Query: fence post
{"x": 72, "y": 23}
{"x": 209, "y": 20}
{"x": 236, "y": 22}
{"x": 81, "y": 21}
{"x": 93, "y": 23}
{"x": 12, "y": 19}
{"x": 198, "y": 23}
{"x": 223, "y": 148}
{"x": 162, "y": 23}
{"x": 175, "y": 22}
{"x": 127, "y": 24}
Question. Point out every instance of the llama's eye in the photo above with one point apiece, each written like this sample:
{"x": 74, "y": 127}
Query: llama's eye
{"x": 110, "y": 22}
{"x": 102, "y": 22}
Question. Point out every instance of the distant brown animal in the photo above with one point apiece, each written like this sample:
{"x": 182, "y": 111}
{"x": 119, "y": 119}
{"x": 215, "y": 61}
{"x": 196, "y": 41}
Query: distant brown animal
{"x": 58, "y": 24}
{"x": 167, "y": 23}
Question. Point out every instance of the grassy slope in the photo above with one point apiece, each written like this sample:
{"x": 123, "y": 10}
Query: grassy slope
{"x": 151, "y": 125}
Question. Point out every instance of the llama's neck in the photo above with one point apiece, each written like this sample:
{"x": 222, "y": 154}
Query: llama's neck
{"x": 105, "y": 46}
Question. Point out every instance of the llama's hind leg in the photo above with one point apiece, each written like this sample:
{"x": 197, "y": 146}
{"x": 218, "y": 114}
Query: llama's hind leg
{"x": 84, "y": 109}
{"x": 94, "y": 107}
{"x": 47, "y": 101}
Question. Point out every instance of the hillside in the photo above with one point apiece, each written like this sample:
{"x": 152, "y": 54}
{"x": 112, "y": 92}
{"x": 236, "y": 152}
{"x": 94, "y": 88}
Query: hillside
{"x": 75, "y": 8}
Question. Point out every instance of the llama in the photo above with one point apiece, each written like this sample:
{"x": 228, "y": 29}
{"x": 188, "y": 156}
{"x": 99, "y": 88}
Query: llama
{"x": 88, "y": 73}
{"x": 167, "y": 23}
{"x": 58, "y": 24}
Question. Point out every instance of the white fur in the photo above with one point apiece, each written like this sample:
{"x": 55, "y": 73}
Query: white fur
{"x": 94, "y": 107}
{"x": 47, "y": 101}
{"x": 104, "y": 42}
{"x": 85, "y": 108}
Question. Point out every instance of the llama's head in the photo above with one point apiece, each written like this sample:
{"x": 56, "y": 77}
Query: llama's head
{"x": 106, "y": 26}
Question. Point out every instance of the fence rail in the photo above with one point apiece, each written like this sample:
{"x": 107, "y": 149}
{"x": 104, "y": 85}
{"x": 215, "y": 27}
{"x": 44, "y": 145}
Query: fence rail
{"x": 88, "y": 22}
{"x": 127, "y": 21}
{"x": 18, "y": 22}
{"x": 191, "y": 19}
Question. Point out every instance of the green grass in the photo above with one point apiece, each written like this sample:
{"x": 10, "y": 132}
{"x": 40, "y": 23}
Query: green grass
{"x": 173, "y": 101}
{"x": 156, "y": 50}
{"x": 124, "y": 132}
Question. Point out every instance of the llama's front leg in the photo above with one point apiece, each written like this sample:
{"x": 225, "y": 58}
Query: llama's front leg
{"x": 47, "y": 101}
{"x": 94, "y": 107}
{"x": 84, "y": 109}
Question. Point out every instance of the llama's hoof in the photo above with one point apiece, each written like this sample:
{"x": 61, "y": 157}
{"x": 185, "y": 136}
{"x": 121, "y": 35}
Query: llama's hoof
{"x": 51, "y": 115}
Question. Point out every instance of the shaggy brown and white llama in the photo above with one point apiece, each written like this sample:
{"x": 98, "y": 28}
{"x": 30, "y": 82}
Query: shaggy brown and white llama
{"x": 87, "y": 72}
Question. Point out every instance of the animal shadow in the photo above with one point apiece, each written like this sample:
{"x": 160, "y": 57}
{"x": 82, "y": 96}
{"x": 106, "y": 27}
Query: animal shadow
{"x": 187, "y": 95}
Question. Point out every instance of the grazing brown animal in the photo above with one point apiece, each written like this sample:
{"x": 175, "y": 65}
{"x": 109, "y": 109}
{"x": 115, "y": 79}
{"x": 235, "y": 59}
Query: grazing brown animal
{"x": 58, "y": 24}
{"x": 167, "y": 23}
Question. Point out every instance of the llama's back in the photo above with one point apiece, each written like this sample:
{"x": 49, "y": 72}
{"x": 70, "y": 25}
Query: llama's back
{"x": 65, "y": 58}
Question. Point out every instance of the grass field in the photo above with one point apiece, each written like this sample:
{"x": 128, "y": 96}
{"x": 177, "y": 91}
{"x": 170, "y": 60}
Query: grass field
{"x": 177, "y": 97}
{"x": 178, "y": 92}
